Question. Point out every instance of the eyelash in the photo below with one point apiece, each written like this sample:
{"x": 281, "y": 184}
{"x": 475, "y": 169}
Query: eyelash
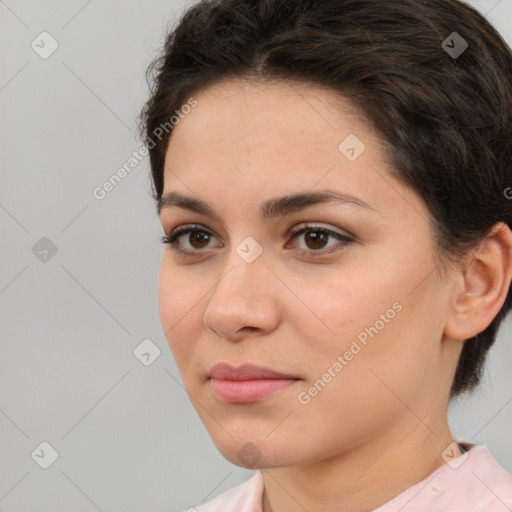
{"x": 172, "y": 239}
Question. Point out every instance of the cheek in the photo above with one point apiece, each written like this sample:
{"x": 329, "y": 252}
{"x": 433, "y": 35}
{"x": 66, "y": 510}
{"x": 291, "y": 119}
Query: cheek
{"x": 378, "y": 328}
{"x": 388, "y": 353}
{"x": 342, "y": 309}
{"x": 167, "y": 299}
{"x": 372, "y": 379}
{"x": 179, "y": 308}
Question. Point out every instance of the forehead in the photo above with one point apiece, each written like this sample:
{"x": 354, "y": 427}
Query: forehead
{"x": 287, "y": 108}
{"x": 248, "y": 140}
{"x": 266, "y": 128}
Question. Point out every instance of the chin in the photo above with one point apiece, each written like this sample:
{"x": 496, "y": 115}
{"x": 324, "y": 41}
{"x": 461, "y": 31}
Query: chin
{"x": 254, "y": 451}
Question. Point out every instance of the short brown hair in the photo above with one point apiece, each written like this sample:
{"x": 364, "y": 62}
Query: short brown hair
{"x": 445, "y": 120}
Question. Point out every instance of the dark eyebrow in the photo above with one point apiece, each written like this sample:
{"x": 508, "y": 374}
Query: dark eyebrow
{"x": 276, "y": 207}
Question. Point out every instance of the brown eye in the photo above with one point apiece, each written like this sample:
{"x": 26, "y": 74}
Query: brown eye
{"x": 198, "y": 239}
{"x": 201, "y": 238}
{"x": 316, "y": 238}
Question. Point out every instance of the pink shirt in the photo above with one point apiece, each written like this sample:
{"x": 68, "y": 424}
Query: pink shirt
{"x": 474, "y": 482}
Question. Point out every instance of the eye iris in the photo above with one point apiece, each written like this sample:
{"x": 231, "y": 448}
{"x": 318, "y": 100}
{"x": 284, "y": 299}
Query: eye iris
{"x": 199, "y": 236}
{"x": 317, "y": 237}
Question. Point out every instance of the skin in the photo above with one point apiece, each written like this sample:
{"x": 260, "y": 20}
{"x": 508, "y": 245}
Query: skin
{"x": 380, "y": 425}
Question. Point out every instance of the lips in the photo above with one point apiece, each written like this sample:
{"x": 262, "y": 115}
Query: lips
{"x": 225, "y": 371}
{"x": 246, "y": 383}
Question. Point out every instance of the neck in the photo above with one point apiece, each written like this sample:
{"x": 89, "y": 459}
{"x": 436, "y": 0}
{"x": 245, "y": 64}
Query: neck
{"x": 363, "y": 478}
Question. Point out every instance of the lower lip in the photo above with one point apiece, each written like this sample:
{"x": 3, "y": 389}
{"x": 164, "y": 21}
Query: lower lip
{"x": 245, "y": 391}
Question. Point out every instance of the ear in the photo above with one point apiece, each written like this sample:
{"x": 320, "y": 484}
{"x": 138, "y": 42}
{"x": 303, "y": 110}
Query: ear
{"x": 482, "y": 285}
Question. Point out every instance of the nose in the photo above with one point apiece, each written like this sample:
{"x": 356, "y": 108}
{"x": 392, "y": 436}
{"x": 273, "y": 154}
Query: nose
{"x": 244, "y": 300}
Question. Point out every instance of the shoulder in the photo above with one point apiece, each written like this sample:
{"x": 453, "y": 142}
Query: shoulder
{"x": 491, "y": 483}
{"x": 245, "y": 497}
{"x": 475, "y": 481}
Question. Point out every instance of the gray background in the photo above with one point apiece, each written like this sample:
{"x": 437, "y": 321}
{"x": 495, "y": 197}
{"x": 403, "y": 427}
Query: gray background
{"x": 127, "y": 436}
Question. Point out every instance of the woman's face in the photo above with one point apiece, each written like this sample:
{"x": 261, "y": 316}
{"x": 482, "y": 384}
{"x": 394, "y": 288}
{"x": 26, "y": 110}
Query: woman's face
{"x": 355, "y": 323}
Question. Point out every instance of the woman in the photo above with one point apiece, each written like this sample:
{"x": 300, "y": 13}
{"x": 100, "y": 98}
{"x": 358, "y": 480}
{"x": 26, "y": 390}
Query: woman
{"x": 332, "y": 179}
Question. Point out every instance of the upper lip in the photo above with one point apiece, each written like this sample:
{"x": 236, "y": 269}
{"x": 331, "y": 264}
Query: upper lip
{"x": 225, "y": 371}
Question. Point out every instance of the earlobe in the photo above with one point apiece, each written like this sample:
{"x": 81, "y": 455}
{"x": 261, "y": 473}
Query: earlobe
{"x": 482, "y": 286}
